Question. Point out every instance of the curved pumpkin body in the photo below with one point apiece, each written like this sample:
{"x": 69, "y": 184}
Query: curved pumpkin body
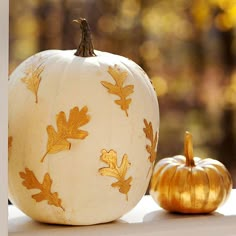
{"x": 198, "y": 186}
{"x": 79, "y": 128}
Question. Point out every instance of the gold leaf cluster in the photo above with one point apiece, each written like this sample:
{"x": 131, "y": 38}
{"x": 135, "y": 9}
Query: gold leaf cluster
{"x": 32, "y": 77}
{"x": 151, "y": 149}
{"x": 31, "y": 182}
{"x": 118, "y": 88}
{"x": 58, "y": 140}
{"x": 118, "y": 172}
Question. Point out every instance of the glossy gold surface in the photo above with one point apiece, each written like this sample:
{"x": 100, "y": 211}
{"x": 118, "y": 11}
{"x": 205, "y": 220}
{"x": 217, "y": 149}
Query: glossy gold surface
{"x": 188, "y": 184}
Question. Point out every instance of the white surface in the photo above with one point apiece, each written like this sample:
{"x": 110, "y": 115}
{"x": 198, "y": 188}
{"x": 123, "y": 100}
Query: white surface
{"x": 145, "y": 219}
{"x": 3, "y": 113}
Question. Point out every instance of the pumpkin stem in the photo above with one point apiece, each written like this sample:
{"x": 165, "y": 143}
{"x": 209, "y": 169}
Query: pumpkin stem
{"x": 188, "y": 149}
{"x": 85, "y": 48}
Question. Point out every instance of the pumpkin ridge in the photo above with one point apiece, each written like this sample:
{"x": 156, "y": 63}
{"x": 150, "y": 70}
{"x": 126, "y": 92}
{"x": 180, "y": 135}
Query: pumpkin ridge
{"x": 171, "y": 179}
{"x": 222, "y": 180}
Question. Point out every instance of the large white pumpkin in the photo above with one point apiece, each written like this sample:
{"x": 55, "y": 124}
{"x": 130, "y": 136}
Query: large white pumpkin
{"x": 83, "y": 133}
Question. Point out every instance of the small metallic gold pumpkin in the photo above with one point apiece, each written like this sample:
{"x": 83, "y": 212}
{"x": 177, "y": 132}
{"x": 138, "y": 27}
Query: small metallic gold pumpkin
{"x": 188, "y": 184}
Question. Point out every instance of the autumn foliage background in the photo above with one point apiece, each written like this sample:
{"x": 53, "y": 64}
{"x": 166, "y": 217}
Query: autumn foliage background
{"x": 187, "y": 47}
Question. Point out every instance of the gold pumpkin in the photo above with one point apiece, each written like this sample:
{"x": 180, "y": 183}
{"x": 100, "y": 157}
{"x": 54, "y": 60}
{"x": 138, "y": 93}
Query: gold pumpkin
{"x": 188, "y": 184}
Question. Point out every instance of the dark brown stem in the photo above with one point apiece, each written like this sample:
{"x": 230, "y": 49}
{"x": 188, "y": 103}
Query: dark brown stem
{"x": 188, "y": 149}
{"x": 85, "y": 48}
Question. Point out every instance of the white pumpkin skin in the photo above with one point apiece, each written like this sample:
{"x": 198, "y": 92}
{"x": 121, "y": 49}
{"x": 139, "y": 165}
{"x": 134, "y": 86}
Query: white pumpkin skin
{"x": 69, "y": 81}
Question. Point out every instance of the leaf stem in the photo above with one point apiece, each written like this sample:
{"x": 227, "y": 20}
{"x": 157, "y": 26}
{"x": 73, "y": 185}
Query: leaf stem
{"x": 42, "y": 159}
{"x": 188, "y": 149}
{"x": 85, "y": 48}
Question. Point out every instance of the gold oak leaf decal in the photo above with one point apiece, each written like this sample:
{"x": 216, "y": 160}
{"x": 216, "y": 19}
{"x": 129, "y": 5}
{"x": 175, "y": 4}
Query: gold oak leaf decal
{"x": 151, "y": 149}
{"x": 31, "y": 182}
{"x": 33, "y": 77}
{"x": 118, "y": 88}
{"x": 110, "y": 158}
{"x": 148, "y": 130}
{"x": 58, "y": 140}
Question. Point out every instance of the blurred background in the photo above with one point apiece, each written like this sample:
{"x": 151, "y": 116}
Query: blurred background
{"x": 187, "y": 47}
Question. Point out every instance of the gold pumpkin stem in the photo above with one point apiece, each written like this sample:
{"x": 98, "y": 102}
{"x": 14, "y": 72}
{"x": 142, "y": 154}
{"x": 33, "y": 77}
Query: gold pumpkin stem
{"x": 188, "y": 149}
{"x": 85, "y": 48}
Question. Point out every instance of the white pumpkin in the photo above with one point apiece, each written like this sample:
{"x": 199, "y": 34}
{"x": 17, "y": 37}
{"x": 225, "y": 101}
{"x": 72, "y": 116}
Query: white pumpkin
{"x": 83, "y": 133}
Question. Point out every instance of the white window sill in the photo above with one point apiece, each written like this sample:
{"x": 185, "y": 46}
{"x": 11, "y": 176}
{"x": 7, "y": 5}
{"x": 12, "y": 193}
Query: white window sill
{"x": 145, "y": 219}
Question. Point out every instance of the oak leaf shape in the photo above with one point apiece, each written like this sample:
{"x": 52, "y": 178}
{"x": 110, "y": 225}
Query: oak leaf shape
{"x": 33, "y": 77}
{"x": 118, "y": 172}
{"x": 31, "y": 182}
{"x": 118, "y": 88}
{"x": 58, "y": 140}
{"x": 151, "y": 149}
